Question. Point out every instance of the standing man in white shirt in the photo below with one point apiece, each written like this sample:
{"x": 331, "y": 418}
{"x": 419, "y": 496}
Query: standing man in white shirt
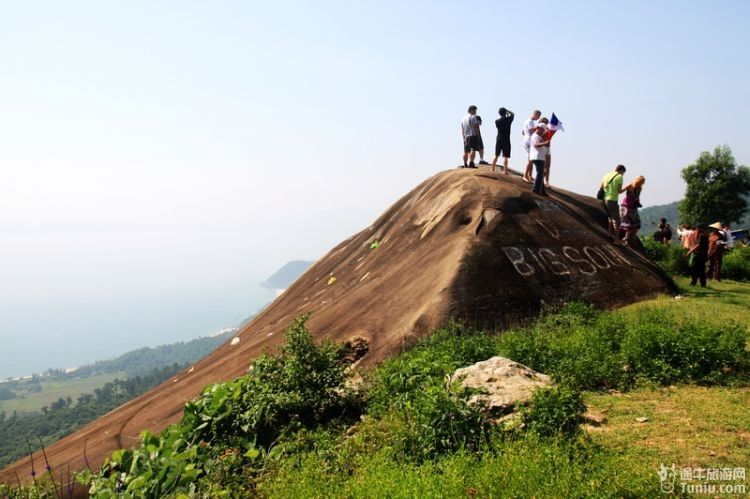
{"x": 529, "y": 127}
{"x": 729, "y": 242}
{"x": 537, "y": 156}
{"x": 470, "y": 136}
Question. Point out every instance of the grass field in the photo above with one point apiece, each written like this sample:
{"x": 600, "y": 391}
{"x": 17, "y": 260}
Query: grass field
{"x": 52, "y": 390}
{"x": 691, "y": 426}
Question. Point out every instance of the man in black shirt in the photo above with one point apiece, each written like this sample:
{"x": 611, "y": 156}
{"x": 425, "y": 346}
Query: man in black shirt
{"x": 699, "y": 254}
{"x": 502, "y": 144}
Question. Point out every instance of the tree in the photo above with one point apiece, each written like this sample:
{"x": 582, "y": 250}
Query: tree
{"x": 716, "y": 188}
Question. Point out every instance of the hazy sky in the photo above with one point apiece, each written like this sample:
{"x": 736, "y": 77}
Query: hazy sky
{"x": 159, "y": 159}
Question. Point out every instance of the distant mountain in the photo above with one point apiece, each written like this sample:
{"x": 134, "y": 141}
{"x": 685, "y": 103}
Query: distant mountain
{"x": 142, "y": 361}
{"x": 650, "y": 216}
{"x": 286, "y": 275}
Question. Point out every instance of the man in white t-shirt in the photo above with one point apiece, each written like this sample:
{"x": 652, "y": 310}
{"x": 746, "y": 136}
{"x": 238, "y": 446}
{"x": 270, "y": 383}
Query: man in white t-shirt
{"x": 529, "y": 127}
{"x": 537, "y": 156}
{"x": 729, "y": 240}
{"x": 470, "y": 136}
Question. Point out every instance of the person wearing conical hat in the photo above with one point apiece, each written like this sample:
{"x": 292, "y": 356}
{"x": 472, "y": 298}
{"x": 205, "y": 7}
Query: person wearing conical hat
{"x": 716, "y": 242}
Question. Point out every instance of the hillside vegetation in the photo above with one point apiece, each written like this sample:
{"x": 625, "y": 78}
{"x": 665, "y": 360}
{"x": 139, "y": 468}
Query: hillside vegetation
{"x": 46, "y": 408}
{"x": 651, "y": 215}
{"x": 296, "y": 426}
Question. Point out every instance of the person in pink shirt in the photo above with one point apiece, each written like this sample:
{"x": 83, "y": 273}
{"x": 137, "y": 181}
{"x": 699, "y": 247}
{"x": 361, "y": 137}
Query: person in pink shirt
{"x": 688, "y": 235}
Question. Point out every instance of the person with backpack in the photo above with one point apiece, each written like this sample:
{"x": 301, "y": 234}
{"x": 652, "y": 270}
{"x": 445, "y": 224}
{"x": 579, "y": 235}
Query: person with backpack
{"x": 609, "y": 193}
{"x": 663, "y": 233}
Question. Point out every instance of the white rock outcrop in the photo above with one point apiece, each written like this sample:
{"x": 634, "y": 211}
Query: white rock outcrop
{"x": 503, "y": 384}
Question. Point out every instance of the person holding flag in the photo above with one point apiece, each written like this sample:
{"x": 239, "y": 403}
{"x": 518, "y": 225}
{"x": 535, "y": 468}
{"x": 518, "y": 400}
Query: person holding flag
{"x": 552, "y": 125}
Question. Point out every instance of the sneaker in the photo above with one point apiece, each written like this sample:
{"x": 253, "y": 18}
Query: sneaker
{"x": 471, "y": 165}
{"x": 483, "y": 162}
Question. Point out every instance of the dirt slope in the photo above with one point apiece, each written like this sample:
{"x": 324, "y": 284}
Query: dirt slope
{"x": 467, "y": 244}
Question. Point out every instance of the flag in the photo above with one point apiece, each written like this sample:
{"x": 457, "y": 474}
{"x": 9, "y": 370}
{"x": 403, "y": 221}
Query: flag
{"x": 555, "y": 124}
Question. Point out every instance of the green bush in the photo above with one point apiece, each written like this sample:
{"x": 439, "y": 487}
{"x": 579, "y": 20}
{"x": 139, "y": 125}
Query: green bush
{"x": 523, "y": 467}
{"x": 736, "y": 264}
{"x": 554, "y": 411}
{"x": 399, "y": 378}
{"x": 428, "y": 416}
{"x": 615, "y": 350}
{"x": 224, "y": 435}
{"x": 672, "y": 258}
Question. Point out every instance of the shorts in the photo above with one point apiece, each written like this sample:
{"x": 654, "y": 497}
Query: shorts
{"x": 502, "y": 147}
{"x": 613, "y": 210}
{"x": 527, "y": 146}
{"x": 473, "y": 143}
{"x": 630, "y": 218}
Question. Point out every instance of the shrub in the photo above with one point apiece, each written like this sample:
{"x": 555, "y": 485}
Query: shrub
{"x": 736, "y": 264}
{"x": 554, "y": 411}
{"x": 427, "y": 416}
{"x": 615, "y": 350}
{"x": 399, "y": 378}
{"x": 226, "y": 432}
{"x": 672, "y": 258}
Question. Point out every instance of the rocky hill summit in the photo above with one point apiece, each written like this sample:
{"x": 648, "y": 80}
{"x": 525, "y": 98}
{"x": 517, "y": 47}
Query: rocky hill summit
{"x": 471, "y": 245}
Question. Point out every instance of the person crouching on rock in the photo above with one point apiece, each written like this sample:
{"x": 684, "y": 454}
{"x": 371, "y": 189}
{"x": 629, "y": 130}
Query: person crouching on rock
{"x": 612, "y": 186}
{"x": 631, "y": 220}
{"x": 538, "y": 157}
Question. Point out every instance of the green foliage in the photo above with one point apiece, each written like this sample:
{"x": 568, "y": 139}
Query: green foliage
{"x": 227, "y": 433}
{"x": 64, "y": 416}
{"x": 609, "y": 350}
{"x": 140, "y": 362}
{"x": 716, "y": 188}
{"x": 736, "y": 264}
{"x": 554, "y": 411}
{"x": 524, "y": 467}
{"x": 672, "y": 258}
{"x": 429, "y": 416}
{"x": 398, "y": 379}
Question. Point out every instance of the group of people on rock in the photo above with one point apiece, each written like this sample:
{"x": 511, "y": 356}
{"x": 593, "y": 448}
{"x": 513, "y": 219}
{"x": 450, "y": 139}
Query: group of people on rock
{"x": 536, "y": 143}
{"x": 623, "y": 216}
{"x": 706, "y": 246}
